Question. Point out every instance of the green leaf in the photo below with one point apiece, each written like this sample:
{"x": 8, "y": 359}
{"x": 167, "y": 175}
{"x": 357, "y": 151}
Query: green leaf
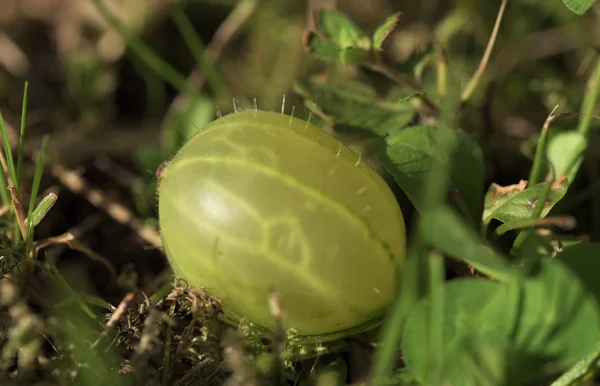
{"x": 343, "y": 41}
{"x": 352, "y": 55}
{"x": 185, "y": 121}
{"x": 551, "y": 323}
{"x": 565, "y": 153}
{"x": 198, "y": 114}
{"x": 337, "y": 27}
{"x": 324, "y": 49}
{"x": 559, "y": 321}
{"x": 575, "y": 375}
{"x": 384, "y": 30}
{"x": 410, "y": 153}
{"x": 355, "y": 104}
{"x": 8, "y": 152}
{"x": 447, "y": 232}
{"x": 463, "y": 299}
{"x": 579, "y": 6}
{"x": 539, "y": 327}
{"x": 516, "y": 202}
{"x": 480, "y": 361}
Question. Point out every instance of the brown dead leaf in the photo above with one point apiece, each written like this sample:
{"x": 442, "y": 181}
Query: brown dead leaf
{"x": 499, "y": 190}
{"x": 559, "y": 182}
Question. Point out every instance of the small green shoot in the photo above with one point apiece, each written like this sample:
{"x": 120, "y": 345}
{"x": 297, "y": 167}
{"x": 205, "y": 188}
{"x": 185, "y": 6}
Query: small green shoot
{"x": 39, "y": 167}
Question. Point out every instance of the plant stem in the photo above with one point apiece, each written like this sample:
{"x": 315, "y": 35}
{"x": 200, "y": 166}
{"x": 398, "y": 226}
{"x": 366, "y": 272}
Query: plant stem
{"x": 435, "y": 318}
{"x": 589, "y": 103}
{"x": 539, "y": 162}
{"x": 442, "y": 74}
{"x": 564, "y": 222}
{"x": 402, "y": 79}
{"x": 391, "y": 332}
{"x": 486, "y": 56}
{"x": 585, "y": 124}
{"x": 22, "y": 136}
{"x": 8, "y": 154}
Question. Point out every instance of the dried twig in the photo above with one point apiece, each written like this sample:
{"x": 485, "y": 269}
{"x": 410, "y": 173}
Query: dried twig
{"x": 12, "y": 58}
{"x": 117, "y": 211}
{"x": 403, "y": 79}
{"x": 486, "y": 56}
{"x": 74, "y": 244}
{"x": 119, "y": 173}
{"x": 111, "y": 141}
{"x": 116, "y": 316}
{"x": 19, "y": 212}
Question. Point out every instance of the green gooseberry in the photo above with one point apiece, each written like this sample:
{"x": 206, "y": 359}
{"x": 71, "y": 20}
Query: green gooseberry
{"x": 258, "y": 201}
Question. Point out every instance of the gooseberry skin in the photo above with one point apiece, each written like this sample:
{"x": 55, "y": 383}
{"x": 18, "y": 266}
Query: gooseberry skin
{"x": 258, "y": 201}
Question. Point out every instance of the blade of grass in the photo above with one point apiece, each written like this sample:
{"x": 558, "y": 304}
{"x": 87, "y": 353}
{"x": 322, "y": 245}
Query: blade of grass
{"x": 82, "y": 304}
{"x": 198, "y": 49}
{"x": 436, "y": 318}
{"x": 6, "y": 178}
{"x": 39, "y": 169}
{"x": 152, "y": 59}
{"x": 90, "y": 299}
{"x": 164, "y": 290}
{"x": 8, "y": 151}
{"x": 22, "y": 136}
{"x": 4, "y": 193}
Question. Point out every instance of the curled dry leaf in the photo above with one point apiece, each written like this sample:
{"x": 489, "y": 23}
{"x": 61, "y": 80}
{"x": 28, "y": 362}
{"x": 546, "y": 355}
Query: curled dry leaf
{"x": 499, "y": 190}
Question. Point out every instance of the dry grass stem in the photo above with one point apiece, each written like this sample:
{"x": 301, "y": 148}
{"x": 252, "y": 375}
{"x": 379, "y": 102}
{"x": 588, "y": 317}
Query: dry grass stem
{"x": 114, "y": 209}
